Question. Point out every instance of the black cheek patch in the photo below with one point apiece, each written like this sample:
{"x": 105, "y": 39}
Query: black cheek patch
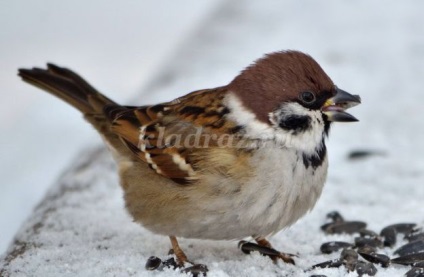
{"x": 296, "y": 123}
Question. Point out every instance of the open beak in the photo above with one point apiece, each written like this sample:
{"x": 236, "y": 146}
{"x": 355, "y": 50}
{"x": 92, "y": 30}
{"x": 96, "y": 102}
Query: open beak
{"x": 335, "y": 107}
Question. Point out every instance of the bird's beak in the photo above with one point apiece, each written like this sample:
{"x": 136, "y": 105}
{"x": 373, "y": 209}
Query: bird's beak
{"x": 335, "y": 107}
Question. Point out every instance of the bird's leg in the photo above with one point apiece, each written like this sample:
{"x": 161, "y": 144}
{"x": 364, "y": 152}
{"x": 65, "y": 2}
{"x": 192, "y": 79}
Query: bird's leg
{"x": 179, "y": 253}
{"x": 287, "y": 258}
{"x": 155, "y": 263}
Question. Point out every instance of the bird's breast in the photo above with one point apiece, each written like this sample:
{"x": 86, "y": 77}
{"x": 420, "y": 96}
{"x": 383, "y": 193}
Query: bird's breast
{"x": 282, "y": 190}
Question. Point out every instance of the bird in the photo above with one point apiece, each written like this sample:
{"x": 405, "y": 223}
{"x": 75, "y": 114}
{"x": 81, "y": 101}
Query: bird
{"x": 243, "y": 160}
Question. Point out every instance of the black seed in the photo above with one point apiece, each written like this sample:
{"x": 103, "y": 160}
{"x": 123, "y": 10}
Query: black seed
{"x": 361, "y": 154}
{"x": 415, "y": 272}
{"x": 153, "y": 263}
{"x": 367, "y": 249}
{"x": 402, "y": 228}
{"x": 196, "y": 270}
{"x": 329, "y": 264}
{"x": 413, "y": 236}
{"x": 335, "y": 216}
{"x": 374, "y": 242}
{"x": 363, "y": 268}
{"x": 419, "y": 264}
{"x": 411, "y": 248}
{"x": 389, "y": 236}
{"x": 368, "y": 233}
{"x": 411, "y": 259}
{"x": 349, "y": 258}
{"x": 375, "y": 258}
{"x": 333, "y": 246}
{"x": 348, "y": 227}
{"x": 171, "y": 263}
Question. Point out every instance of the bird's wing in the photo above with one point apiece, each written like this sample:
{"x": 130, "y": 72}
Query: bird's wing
{"x": 168, "y": 136}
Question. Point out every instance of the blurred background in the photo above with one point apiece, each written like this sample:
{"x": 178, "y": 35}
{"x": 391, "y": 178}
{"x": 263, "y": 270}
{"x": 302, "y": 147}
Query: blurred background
{"x": 148, "y": 51}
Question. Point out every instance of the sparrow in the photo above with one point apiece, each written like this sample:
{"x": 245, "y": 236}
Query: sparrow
{"x": 247, "y": 159}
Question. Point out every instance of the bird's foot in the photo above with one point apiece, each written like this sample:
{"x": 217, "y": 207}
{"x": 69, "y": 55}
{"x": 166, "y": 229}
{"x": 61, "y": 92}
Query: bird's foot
{"x": 265, "y": 248}
{"x": 180, "y": 261}
{"x": 155, "y": 263}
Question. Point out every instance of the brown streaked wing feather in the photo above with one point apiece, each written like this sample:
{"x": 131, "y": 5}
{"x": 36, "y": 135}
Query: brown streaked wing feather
{"x": 162, "y": 135}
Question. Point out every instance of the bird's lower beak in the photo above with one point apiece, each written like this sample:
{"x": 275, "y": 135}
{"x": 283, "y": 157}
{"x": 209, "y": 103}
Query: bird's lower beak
{"x": 335, "y": 107}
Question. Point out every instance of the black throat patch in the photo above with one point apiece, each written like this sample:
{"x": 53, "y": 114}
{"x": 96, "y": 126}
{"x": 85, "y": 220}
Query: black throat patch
{"x": 317, "y": 159}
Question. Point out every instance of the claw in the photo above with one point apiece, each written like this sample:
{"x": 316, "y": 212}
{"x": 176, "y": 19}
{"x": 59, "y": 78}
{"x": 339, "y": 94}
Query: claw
{"x": 247, "y": 247}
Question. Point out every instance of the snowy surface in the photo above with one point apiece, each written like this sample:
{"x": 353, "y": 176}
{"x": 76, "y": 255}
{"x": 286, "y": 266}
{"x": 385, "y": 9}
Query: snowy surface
{"x": 371, "y": 48}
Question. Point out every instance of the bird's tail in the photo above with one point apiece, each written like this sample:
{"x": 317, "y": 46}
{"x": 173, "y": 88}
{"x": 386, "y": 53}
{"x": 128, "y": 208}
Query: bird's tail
{"x": 65, "y": 84}
{"x": 68, "y": 86}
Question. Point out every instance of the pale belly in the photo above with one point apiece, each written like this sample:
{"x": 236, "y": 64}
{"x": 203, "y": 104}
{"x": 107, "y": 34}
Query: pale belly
{"x": 277, "y": 196}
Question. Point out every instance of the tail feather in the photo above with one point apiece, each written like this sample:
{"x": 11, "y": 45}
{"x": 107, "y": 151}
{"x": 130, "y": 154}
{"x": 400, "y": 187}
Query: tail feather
{"x": 68, "y": 86}
{"x": 99, "y": 110}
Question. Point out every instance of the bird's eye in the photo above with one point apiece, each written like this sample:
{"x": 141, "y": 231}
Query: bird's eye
{"x": 307, "y": 97}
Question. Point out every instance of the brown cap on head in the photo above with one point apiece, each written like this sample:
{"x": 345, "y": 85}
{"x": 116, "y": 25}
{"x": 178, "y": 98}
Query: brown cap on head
{"x": 279, "y": 77}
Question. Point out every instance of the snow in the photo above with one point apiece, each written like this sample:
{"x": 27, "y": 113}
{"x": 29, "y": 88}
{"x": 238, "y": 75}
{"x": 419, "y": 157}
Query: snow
{"x": 370, "y": 48}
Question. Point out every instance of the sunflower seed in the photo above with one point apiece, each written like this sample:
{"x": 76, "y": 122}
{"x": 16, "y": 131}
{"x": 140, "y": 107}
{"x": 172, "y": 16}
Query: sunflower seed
{"x": 196, "y": 270}
{"x": 375, "y": 258}
{"x": 411, "y": 259}
{"x": 333, "y": 246}
{"x": 411, "y": 248}
{"x": 348, "y": 227}
{"x": 363, "y": 268}
{"x": 415, "y": 272}
{"x": 389, "y": 236}
{"x": 361, "y": 242}
{"x": 153, "y": 263}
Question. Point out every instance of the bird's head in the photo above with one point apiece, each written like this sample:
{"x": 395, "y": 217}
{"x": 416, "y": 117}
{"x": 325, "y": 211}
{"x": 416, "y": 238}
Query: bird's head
{"x": 287, "y": 96}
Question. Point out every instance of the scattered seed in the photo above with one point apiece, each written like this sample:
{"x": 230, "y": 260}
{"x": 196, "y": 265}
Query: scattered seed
{"x": 349, "y": 258}
{"x": 410, "y": 248}
{"x": 335, "y": 216}
{"x": 411, "y": 259}
{"x": 413, "y": 236}
{"x": 375, "y": 258}
{"x": 415, "y": 272}
{"x": 365, "y": 233}
{"x": 402, "y": 228}
{"x": 329, "y": 264}
{"x": 389, "y": 236}
{"x": 367, "y": 249}
{"x": 363, "y": 268}
{"x": 419, "y": 264}
{"x": 153, "y": 263}
{"x": 348, "y": 227}
{"x": 361, "y": 242}
{"x": 171, "y": 263}
{"x": 196, "y": 270}
{"x": 334, "y": 246}
{"x": 361, "y": 154}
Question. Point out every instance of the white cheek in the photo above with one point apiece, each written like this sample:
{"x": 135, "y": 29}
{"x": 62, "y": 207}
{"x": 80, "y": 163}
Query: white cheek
{"x": 253, "y": 127}
{"x": 308, "y": 141}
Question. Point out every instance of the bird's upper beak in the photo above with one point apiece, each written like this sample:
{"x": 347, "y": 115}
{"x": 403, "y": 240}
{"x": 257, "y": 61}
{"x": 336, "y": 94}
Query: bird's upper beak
{"x": 335, "y": 107}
